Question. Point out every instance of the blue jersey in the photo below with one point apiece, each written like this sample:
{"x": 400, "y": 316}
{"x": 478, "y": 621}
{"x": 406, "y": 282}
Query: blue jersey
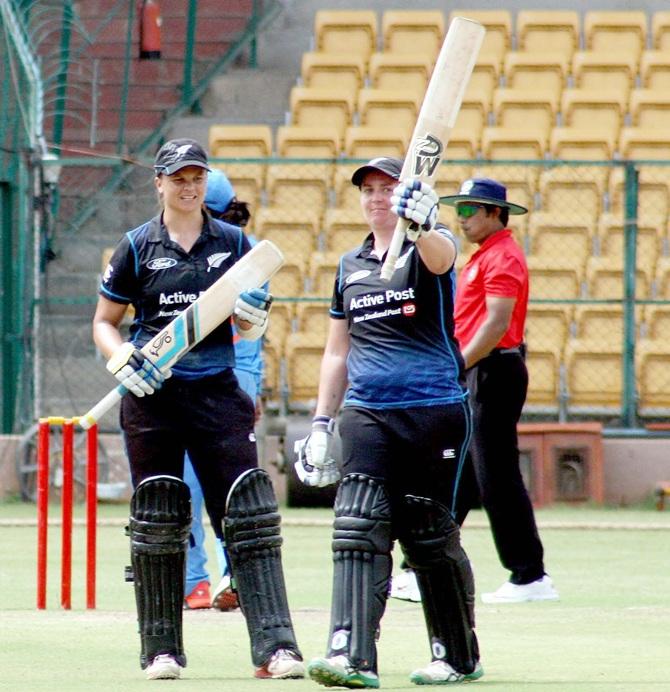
{"x": 161, "y": 280}
{"x": 403, "y": 352}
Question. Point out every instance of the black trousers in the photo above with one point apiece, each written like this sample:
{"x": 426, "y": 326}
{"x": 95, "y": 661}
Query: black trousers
{"x": 498, "y": 385}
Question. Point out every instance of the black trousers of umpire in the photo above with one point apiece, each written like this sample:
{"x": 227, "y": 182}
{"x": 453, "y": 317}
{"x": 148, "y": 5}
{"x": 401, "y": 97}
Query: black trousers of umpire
{"x": 498, "y": 385}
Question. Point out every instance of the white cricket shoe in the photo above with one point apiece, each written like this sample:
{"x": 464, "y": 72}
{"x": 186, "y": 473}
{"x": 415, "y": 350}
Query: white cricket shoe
{"x": 539, "y": 590}
{"x": 163, "y": 667}
{"x": 441, "y": 673}
{"x": 405, "y": 587}
{"x": 283, "y": 664}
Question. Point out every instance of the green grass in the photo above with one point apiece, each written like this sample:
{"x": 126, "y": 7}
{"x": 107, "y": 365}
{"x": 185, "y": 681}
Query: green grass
{"x": 609, "y": 631}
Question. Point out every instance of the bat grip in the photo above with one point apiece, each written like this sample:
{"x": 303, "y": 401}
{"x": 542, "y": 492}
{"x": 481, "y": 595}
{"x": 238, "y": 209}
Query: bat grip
{"x": 98, "y": 411}
{"x": 394, "y": 250}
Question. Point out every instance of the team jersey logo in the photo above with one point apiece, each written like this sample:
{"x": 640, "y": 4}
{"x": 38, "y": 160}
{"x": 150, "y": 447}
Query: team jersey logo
{"x": 402, "y": 260}
{"x": 161, "y": 263}
{"x": 409, "y": 310}
{"x": 109, "y": 270}
{"x": 472, "y": 272}
{"x": 357, "y": 276}
{"x": 216, "y": 260}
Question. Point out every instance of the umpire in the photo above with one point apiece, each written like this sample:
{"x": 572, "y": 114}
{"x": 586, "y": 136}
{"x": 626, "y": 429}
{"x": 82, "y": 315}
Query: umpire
{"x": 490, "y": 315}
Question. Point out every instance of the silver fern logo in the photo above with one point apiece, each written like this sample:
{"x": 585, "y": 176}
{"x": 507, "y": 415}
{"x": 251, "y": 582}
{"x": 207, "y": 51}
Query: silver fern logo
{"x": 216, "y": 260}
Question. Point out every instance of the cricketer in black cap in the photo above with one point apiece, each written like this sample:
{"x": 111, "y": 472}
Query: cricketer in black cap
{"x": 179, "y": 153}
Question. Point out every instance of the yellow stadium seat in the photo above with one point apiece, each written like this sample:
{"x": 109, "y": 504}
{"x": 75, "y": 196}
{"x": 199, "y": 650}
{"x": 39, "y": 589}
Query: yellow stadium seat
{"x": 648, "y": 242}
{"x": 660, "y": 30}
{"x": 601, "y": 325}
{"x": 294, "y": 229}
{"x": 401, "y": 71}
{"x": 304, "y": 352}
{"x": 662, "y": 278}
{"x": 280, "y": 324}
{"x": 299, "y": 185}
{"x": 366, "y": 142}
{"x": 605, "y": 279}
{"x": 318, "y": 107}
{"x": 346, "y": 31}
{"x": 247, "y": 187}
{"x": 594, "y": 377}
{"x": 582, "y": 144}
{"x": 314, "y": 317}
{"x": 547, "y": 326}
{"x": 623, "y": 31}
{"x": 245, "y": 142}
{"x": 642, "y": 143}
{"x": 513, "y": 143}
{"x": 333, "y": 71}
{"x": 346, "y": 195}
{"x": 498, "y": 24}
{"x": 574, "y": 187}
{"x": 294, "y": 141}
{"x": 271, "y": 371}
{"x": 649, "y": 108}
{"x": 600, "y": 71}
{"x": 386, "y": 107}
{"x": 563, "y": 238}
{"x": 657, "y": 319}
{"x": 544, "y": 381}
{"x": 529, "y": 70}
{"x": 474, "y": 111}
{"x": 485, "y": 76}
{"x": 549, "y": 281}
{"x": 586, "y": 108}
{"x": 548, "y": 31}
{"x": 289, "y": 281}
{"x": 653, "y": 195}
{"x": 463, "y": 145}
{"x": 345, "y": 229}
{"x": 404, "y": 30}
{"x": 534, "y": 109}
{"x": 322, "y": 272}
{"x": 652, "y": 377}
{"x": 655, "y": 70}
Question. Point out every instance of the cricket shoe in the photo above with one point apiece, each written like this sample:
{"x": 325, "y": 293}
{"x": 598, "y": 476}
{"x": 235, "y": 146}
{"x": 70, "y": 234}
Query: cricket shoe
{"x": 441, "y": 673}
{"x": 405, "y": 587}
{"x": 163, "y": 667}
{"x": 199, "y": 597}
{"x": 539, "y": 590}
{"x": 337, "y": 671}
{"x": 283, "y": 664}
{"x": 224, "y": 598}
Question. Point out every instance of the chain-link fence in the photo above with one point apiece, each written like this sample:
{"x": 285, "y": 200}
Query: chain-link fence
{"x": 596, "y": 332}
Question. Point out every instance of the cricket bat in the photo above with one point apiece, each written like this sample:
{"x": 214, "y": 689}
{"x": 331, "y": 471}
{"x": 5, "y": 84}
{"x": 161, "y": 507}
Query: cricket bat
{"x": 201, "y": 317}
{"x": 437, "y": 116}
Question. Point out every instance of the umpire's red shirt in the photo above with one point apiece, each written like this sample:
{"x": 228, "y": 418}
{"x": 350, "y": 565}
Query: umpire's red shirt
{"x": 497, "y": 268}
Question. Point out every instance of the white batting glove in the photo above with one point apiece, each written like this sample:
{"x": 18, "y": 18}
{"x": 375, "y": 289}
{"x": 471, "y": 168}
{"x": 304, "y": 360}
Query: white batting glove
{"x": 253, "y": 306}
{"x": 137, "y": 373}
{"x": 315, "y": 465}
{"x": 418, "y": 203}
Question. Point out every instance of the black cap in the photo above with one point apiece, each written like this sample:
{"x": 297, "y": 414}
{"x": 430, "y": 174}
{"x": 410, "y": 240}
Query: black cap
{"x": 486, "y": 191}
{"x": 179, "y": 153}
{"x": 383, "y": 164}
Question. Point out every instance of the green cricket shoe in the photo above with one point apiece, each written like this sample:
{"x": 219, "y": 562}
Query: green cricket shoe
{"x": 337, "y": 671}
{"x": 441, "y": 673}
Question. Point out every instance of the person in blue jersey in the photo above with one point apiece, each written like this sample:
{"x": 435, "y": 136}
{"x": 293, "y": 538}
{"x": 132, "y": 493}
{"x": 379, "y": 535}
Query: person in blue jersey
{"x": 222, "y": 203}
{"x": 392, "y": 369}
{"x": 161, "y": 267}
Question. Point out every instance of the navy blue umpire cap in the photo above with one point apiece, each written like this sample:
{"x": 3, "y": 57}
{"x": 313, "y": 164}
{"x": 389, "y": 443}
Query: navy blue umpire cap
{"x": 484, "y": 191}
{"x": 179, "y": 153}
{"x": 382, "y": 164}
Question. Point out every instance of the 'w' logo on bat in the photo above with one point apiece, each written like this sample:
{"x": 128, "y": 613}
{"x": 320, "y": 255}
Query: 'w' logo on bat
{"x": 427, "y": 154}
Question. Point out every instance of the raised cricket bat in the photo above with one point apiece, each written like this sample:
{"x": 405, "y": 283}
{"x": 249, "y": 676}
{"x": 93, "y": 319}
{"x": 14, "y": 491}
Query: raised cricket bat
{"x": 200, "y": 318}
{"x": 437, "y": 116}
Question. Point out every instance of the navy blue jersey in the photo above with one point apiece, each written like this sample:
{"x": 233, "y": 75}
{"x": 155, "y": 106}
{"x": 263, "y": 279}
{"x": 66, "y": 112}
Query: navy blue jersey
{"x": 160, "y": 279}
{"x": 402, "y": 352}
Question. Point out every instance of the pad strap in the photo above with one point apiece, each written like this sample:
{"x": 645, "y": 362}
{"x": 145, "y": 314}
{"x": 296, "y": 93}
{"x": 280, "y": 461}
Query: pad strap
{"x": 362, "y": 568}
{"x": 160, "y": 524}
{"x": 253, "y": 542}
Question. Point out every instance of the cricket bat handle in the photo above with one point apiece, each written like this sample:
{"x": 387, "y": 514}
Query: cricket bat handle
{"x": 394, "y": 249}
{"x": 91, "y": 417}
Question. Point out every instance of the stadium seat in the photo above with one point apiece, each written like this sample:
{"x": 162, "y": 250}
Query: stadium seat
{"x": 574, "y": 187}
{"x": 653, "y": 194}
{"x": 498, "y": 24}
{"x": 314, "y": 317}
{"x": 652, "y": 377}
{"x": 289, "y": 281}
{"x": 601, "y": 71}
{"x": 485, "y": 76}
{"x": 547, "y": 326}
{"x": 304, "y": 352}
{"x": 513, "y": 143}
{"x": 245, "y": 142}
{"x": 551, "y": 282}
{"x": 294, "y": 141}
{"x": 534, "y": 109}
{"x": 623, "y": 32}
{"x": 655, "y": 70}
{"x": 300, "y": 185}
{"x": 563, "y": 238}
{"x": 575, "y": 143}
{"x": 384, "y": 107}
{"x": 544, "y": 380}
{"x": 642, "y": 143}
{"x": 294, "y": 230}
{"x": 601, "y": 111}
{"x": 605, "y": 278}
{"x": 660, "y": 30}
{"x": 474, "y": 112}
{"x": 593, "y": 378}
{"x": 345, "y": 229}
{"x": 649, "y": 108}
{"x": 366, "y": 142}
{"x": 648, "y": 242}
{"x": 662, "y": 278}
{"x": 404, "y": 30}
{"x": 333, "y": 71}
{"x": 316, "y": 107}
{"x": 346, "y": 31}
{"x": 280, "y": 324}
{"x": 401, "y": 71}
{"x": 548, "y": 31}
{"x": 528, "y": 70}
{"x": 657, "y": 319}
{"x": 322, "y": 271}
{"x": 601, "y": 325}
{"x": 464, "y": 144}
{"x": 271, "y": 371}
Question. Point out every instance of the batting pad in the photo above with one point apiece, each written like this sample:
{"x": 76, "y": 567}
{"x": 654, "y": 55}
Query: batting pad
{"x": 160, "y": 524}
{"x": 253, "y": 541}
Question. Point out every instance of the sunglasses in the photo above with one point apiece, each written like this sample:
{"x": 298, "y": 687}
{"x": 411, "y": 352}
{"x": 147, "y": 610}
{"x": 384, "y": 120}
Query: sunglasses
{"x": 468, "y": 210}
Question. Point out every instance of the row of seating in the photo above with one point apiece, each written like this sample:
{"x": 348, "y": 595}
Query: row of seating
{"x": 558, "y": 31}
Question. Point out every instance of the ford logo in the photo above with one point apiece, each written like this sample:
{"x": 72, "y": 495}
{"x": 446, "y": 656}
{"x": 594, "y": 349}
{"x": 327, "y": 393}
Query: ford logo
{"x": 161, "y": 263}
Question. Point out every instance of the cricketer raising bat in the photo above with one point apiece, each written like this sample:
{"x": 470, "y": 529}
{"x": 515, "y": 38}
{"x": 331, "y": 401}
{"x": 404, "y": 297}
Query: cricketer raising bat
{"x": 437, "y": 116}
{"x": 201, "y": 317}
